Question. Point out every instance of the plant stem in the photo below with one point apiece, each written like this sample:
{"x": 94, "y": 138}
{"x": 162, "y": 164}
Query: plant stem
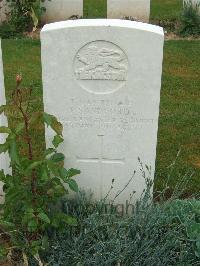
{"x": 27, "y": 136}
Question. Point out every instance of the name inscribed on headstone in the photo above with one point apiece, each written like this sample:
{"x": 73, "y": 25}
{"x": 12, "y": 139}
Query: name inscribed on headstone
{"x": 103, "y": 114}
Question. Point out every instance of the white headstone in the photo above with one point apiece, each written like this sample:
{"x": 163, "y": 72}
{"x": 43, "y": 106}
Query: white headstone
{"x": 137, "y": 9}
{"x": 58, "y": 10}
{"x": 102, "y": 79}
{"x": 4, "y": 162}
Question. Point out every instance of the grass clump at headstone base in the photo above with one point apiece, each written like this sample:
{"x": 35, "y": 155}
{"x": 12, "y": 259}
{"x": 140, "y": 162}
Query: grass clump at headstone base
{"x": 156, "y": 234}
{"x": 166, "y": 13}
{"x": 175, "y": 16}
{"x": 190, "y": 20}
{"x": 179, "y": 109}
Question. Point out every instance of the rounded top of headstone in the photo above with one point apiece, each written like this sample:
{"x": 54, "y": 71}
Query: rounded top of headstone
{"x": 103, "y": 23}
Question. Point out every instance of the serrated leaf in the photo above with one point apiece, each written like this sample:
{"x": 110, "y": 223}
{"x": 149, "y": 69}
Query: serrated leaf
{"x": 13, "y": 151}
{"x": 53, "y": 167}
{"x": 28, "y": 215}
{"x": 49, "y": 151}
{"x": 57, "y": 126}
{"x": 61, "y": 219}
{"x": 44, "y": 176}
{"x": 57, "y": 157}
{"x": 29, "y": 210}
{"x": 72, "y": 172}
{"x": 63, "y": 173}
{"x": 72, "y": 184}
{"x": 5, "y": 130}
{"x": 59, "y": 189}
{"x": 57, "y": 140}
{"x": 32, "y": 225}
{"x": 43, "y": 217}
{"x": 45, "y": 242}
{"x": 67, "y": 174}
{"x": 52, "y": 121}
{"x": 68, "y": 219}
{"x": 47, "y": 119}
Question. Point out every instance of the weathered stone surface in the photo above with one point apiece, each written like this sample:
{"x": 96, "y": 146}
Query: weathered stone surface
{"x": 137, "y": 9}
{"x": 58, "y": 10}
{"x": 102, "y": 79}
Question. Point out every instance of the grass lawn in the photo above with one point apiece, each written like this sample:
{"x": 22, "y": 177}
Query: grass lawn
{"x": 179, "y": 110}
{"x": 95, "y": 8}
{"x": 179, "y": 126}
{"x": 165, "y": 9}
{"x": 23, "y": 56}
{"x": 160, "y": 9}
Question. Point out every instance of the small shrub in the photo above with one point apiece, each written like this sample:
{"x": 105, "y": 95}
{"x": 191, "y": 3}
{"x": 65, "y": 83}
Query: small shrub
{"x": 157, "y": 233}
{"x": 35, "y": 187}
{"x": 162, "y": 234}
{"x": 190, "y": 20}
{"x": 170, "y": 25}
{"x": 7, "y": 31}
{"x": 25, "y": 14}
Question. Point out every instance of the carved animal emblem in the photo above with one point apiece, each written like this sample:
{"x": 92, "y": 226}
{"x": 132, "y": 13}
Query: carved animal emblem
{"x": 102, "y": 59}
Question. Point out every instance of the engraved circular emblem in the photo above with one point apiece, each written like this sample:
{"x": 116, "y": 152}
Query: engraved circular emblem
{"x": 101, "y": 67}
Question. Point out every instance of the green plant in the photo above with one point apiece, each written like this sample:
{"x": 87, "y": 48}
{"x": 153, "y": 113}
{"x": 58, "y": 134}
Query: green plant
{"x": 156, "y": 234}
{"x": 164, "y": 233}
{"x": 7, "y": 31}
{"x": 25, "y": 14}
{"x": 190, "y": 20}
{"x": 36, "y": 185}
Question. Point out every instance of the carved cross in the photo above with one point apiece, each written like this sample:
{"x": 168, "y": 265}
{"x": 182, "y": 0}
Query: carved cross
{"x": 101, "y": 159}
